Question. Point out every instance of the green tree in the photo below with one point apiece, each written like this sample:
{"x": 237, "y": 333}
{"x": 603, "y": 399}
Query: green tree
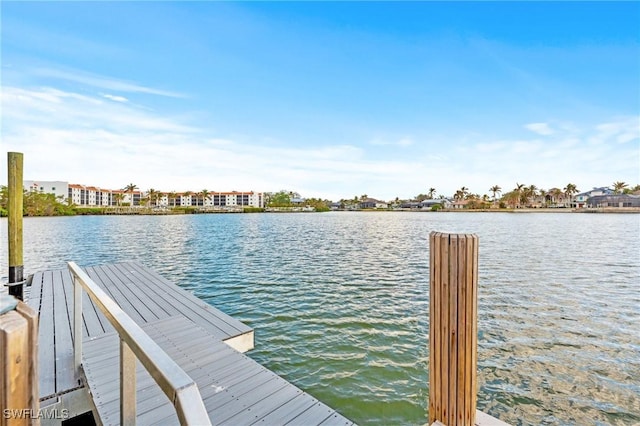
{"x": 618, "y": 187}
{"x": 518, "y": 190}
{"x": 118, "y": 197}
{"x": 512, "y": 198}
{"x": 152, "y": 196}
{"x": 461, "y": 193}
{"x": 431, "y": 192}
{"x": 205, "y": 195}
{"x": 130, "y": 189}
{"x": 172, "y": 197}
{"x": 556, "y": 195}
{"x": 36, "y": 204}
{"x": 495, "y": 189}
{"x": 528, "y": 194}
{"x": 318, "y": 204}
{"x": 569, "y": 190}
{"x": 280, "y": 199}
{"x": 543, "y": 194}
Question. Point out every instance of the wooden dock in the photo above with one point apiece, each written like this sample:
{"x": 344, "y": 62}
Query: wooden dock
{"x": 206, "y": 343}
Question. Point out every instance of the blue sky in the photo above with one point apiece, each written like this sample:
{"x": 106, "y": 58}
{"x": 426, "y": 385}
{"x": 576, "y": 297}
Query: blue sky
{"x": 328, "y": 99}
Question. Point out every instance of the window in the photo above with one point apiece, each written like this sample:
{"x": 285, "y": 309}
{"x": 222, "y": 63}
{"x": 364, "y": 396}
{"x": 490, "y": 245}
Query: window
{"x": 53, "y": 188}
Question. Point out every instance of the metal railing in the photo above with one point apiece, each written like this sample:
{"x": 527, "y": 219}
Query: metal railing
{"x": 181, "y": 390}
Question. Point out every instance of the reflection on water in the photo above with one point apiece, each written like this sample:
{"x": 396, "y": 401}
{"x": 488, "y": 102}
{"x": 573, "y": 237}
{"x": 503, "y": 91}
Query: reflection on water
{"x": 340, "y": 306}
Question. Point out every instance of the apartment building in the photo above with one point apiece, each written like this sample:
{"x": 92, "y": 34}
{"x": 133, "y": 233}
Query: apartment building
{"x": 92, "y": 196}
{"x": 215, "y": 199}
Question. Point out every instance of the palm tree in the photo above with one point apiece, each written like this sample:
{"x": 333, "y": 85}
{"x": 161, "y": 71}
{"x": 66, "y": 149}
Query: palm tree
{"x": 205, "y": 195}
{"x": 461, "y": 193}
{"x": 543, "y": 194}
{"x": 518, "y": 190}
{"x": 528, "y": 193}
{"x": 118, "y": 197}
{"x": 152, "y": 196}
{"x": 198, "y": 195}
{"x": 172, "y": 196}
{"x": 569, "y": 190}
{"x": 495, "y": 189}
{"x": 618, "y": 187}
{"x": 431, "y": 192}
{"x": 130, "y": 188}
{"x": 555, "y": 194}
{"x": 512, "y": 198}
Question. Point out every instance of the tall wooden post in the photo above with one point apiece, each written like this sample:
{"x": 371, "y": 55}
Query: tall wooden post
{"x": 16, "y": 268}
{"x": 453, "y": 328}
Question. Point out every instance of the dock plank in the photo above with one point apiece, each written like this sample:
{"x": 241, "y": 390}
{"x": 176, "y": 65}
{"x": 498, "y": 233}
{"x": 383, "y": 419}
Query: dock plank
{"x": 46, "y": 338}
{"x": 65, "y": 371}
{"x": 92, "y": 324}
{"x": 35, "y": 292}
{"x": 104, "y": 281}
{"x": 196, "y": 307}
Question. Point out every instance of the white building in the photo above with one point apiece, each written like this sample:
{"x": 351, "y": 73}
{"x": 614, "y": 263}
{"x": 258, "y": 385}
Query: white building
{"x": 91, "y": 196}
{"x": 58, "y": 188}
{"x": 222, "y": 199}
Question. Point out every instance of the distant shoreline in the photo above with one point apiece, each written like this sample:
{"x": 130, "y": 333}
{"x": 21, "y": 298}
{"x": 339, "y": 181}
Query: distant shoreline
{"x": 149, "y": 212}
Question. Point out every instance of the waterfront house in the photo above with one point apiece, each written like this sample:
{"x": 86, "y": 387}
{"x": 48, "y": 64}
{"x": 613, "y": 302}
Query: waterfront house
{"x": 459, "y": 204}
{"x": 429, "y": 203}
{"x": 372, "y": 203}
{"x": 581, "y": 199}
{"x": 614, "y": 200}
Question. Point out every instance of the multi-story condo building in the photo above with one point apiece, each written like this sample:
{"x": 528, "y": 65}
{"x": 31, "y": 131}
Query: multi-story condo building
{"x": 215, "y": 199}
{"x": 91, "y": 196}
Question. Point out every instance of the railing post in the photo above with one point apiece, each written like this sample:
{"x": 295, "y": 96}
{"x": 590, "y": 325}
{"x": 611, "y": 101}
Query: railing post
{"x": 15, "y": 189}
{"x": 77, "y": 324}
{"x": 453, "y": 328}
{"x": 127, "y": 385}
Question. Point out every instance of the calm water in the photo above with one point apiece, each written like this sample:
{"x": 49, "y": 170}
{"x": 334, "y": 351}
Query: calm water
{"x": 340, "y": 305}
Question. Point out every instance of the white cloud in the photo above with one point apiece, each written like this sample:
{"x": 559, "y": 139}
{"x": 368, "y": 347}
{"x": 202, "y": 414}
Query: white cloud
{"x": 540, "y": 128}
{"x": 622, "y": 130}
{"x": 102, "y": 82}
{"x": 91, "y": 140}
{"x": 116, "y": 98}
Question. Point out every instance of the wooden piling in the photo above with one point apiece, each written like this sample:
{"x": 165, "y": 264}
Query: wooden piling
{"x": 19, "y": 404}
{"x": 453, "y": 328}
{"x": 15, "y": 188}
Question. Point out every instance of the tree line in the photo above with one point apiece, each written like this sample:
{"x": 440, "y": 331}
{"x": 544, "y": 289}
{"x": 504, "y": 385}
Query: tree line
{"x": 37, "y": 204}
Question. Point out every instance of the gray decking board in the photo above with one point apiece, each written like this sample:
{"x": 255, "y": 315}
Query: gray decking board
{"x": 126, "y": 296}
{"x": 46, "y": 340}
{"x": 223, "y": 319}
{"x": 166, "y": 299}
{"x": 195, "y": 309}
{"x": 65, "y": 371}
{"x": 246, "y": 393}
